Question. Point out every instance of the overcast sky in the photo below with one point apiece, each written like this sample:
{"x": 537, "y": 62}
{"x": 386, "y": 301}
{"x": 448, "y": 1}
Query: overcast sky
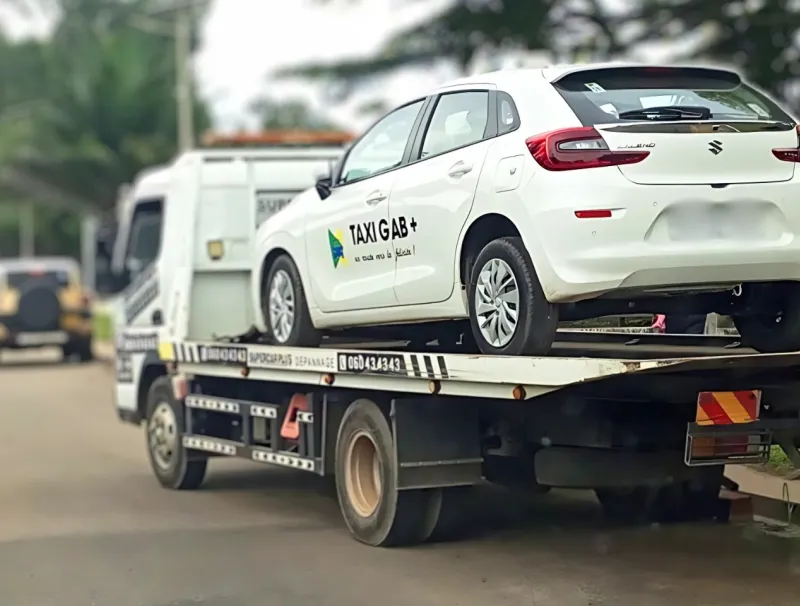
{"x": 246, "y": 40}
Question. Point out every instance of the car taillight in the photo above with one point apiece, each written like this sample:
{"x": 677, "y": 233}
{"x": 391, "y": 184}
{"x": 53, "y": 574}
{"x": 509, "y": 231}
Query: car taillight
{"x": 789, "y": 154}
{"x": 576, "y": 148}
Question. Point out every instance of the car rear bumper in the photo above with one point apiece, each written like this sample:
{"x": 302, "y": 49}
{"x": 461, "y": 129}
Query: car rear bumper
{"x": 73, "y": 325}
{"x": 639, "y": 247}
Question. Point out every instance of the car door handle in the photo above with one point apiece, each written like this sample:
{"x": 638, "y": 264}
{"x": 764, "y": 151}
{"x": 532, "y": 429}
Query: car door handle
{"x": 459, "y": 169}
{"x": 375, "y": 198}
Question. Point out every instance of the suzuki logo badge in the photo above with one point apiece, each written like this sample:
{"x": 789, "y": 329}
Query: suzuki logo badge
{"x": 715, "y": 147}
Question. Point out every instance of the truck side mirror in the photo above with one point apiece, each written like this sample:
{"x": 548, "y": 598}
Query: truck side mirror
{"x": 133, "y": 267}
{"x": 323, "y": 187}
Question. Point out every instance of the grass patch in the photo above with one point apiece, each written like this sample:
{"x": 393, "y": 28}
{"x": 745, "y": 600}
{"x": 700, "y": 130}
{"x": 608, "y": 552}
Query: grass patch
{"x": 103, "y": 327}
{"x": 778, "y": 461}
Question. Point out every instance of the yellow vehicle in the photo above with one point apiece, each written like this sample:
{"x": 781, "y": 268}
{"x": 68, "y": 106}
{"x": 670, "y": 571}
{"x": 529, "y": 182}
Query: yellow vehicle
{"x": 42, "y": 304}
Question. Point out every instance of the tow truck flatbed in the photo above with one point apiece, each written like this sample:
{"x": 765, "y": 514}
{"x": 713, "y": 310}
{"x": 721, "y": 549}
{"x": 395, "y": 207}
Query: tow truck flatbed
{"x": 519, "y": 378}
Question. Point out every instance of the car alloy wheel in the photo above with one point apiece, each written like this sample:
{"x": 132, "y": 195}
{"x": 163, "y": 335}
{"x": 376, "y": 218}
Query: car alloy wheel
{"x": 497, "y": 302}
{"x": 281, "y": 306}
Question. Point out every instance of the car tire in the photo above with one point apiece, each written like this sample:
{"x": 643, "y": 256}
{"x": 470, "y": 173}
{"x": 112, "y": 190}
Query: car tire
{"x": 174, "y": 466}
{"x": 285, "y": 307}
{"x": 536, "y": 323}
{"x": 80, "y": 347}
{"x": 375, "y": 511}
{"x": 776, "y": 333}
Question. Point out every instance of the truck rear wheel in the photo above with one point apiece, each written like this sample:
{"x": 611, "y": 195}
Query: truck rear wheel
{"x": 79, "y": 347}
{"x": 447, "y": 515}
{"x": 366, "y": 482}
{"x": 173, "y": 465}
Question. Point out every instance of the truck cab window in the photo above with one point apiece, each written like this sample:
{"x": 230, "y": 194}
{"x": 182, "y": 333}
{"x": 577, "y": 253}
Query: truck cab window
{"x": 144, "y": 241}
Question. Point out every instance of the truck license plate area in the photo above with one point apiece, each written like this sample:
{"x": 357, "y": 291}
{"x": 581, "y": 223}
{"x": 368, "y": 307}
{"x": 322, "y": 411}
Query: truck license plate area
{"x": 720, "y": 434}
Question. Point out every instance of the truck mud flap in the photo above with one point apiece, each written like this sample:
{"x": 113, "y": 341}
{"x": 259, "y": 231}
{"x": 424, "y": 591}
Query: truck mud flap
{"x": 437, "y": 442}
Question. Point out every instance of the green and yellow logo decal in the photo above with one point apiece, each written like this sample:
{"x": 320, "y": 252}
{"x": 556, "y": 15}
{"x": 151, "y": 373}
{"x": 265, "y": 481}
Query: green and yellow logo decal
{"x": 336, "y": 242}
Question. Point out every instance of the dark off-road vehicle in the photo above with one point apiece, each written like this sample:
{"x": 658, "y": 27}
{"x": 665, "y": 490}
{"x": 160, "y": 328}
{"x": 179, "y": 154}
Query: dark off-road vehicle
{"x": 43, "y": 304}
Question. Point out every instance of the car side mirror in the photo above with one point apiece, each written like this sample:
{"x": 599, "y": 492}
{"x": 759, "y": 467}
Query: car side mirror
{"x": 323, "y": 187}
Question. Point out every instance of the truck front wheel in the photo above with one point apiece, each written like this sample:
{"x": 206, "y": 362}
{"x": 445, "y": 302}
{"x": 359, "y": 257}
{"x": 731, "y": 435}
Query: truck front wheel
{"x": 366, "y": 482}
{"x": 173, "y": 465}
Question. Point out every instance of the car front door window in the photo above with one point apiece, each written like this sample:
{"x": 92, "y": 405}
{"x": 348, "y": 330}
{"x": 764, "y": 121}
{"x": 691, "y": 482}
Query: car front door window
{"x": 382, "y": 148}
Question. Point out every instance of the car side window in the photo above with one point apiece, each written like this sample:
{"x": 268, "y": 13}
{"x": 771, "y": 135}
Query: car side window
{"x": 382, "y": 147}
{"x": 458, "y": 119}
{"x": 507, "y": 115}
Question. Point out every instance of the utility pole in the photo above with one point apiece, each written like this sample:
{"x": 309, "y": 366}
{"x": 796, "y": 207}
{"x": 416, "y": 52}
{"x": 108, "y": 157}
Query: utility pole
{"x": 181, "y": 32}
{"x": 183, "y": 93}
{"x": 27, "y": 230}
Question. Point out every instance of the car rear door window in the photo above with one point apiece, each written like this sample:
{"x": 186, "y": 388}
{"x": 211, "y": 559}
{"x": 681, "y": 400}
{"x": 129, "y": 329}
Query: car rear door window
{"x": 507, "y": 115}
{"x": 459, "y": 119}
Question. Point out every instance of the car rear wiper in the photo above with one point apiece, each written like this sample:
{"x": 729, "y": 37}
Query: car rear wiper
{"x": 667, "y": 112}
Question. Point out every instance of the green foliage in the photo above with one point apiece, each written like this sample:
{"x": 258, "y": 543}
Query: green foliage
{"x": 103, "y": 326}
{"x": 57, "y": 231}
{"x": 100, "y": 105}
{"x": 759, "y": 37}
{"x": 291, "y": 114}
{"x": 466, "y": 27}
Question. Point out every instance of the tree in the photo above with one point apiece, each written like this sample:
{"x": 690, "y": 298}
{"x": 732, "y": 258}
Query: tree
{"x": 292, "y": 114}
{"x": 759, "y": 37}
{"x": 465, "y": 27}
{"x": 103, "y": 108}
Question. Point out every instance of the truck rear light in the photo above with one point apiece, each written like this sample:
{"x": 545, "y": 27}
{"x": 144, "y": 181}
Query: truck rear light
{"x": 577, "y": 148}
{"x": 789, "y": 154}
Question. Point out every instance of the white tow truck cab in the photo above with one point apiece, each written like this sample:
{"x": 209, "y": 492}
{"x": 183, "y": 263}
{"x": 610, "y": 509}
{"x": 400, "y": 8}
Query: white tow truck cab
{"x": 182, "y": 256}
{"x": 648, "y": 423}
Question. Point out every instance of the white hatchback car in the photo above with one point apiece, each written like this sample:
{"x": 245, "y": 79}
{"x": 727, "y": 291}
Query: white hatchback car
{"x": 522, "y": 198}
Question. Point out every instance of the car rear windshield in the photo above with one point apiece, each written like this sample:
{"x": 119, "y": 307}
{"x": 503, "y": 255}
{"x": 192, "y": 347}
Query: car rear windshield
{"x": 599, "y": 96}
{"x": 57, "y": 279}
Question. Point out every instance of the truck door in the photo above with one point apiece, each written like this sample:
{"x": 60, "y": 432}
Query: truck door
{"x": 139, "y": 312}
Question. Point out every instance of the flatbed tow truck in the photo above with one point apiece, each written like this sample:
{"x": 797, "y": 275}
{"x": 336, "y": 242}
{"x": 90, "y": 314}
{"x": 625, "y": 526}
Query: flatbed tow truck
{"x": 646, "y": 421}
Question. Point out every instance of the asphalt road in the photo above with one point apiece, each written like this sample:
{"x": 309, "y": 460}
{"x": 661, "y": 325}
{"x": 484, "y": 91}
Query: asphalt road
{"x": 83, "y": 523}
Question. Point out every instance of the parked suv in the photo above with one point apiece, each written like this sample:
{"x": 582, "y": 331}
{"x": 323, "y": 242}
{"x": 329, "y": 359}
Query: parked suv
{"x": 43, "y": 304}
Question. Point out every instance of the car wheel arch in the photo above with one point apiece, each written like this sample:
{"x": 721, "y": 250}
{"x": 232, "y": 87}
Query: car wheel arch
{"x": 269, "y": 259}
{"x": 479, "y": 233}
